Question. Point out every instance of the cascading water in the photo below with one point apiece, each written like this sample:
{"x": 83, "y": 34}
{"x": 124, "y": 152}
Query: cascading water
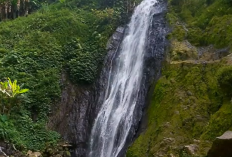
{"x": 115, "y": 118}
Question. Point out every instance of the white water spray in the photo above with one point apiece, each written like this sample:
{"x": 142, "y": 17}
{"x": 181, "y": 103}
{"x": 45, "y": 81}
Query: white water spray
{"x": 114, "y": 120}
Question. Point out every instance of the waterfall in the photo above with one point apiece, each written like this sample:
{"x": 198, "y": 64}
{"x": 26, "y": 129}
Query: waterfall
{"x": 115, "y": 118}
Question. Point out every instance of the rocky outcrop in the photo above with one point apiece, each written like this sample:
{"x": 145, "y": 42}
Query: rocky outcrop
{"x": 222, "y": 146}
{"x": 183, "y": 51}
{"x": 191, "y": 149}
{"x": 73, "y": 116}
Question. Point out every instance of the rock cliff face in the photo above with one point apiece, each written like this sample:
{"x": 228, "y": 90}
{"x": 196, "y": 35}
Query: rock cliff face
{"x": 74, "y": 115}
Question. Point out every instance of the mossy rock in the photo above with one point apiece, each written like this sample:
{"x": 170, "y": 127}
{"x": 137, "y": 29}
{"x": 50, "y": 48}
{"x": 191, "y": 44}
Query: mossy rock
{"x": 182, "y": 51}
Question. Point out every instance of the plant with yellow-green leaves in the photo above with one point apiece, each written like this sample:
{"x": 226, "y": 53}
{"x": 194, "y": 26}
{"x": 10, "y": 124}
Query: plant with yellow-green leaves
{"x": 9, "y": 91}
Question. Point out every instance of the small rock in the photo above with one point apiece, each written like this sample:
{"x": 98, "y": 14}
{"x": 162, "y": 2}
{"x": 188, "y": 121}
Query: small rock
{"x": 199, "y": 118}
{"x": 191, "y": 149}
{"x": 172, "y": 80}
{"x": 171, "y": 155}
{"x": 189, "y": 93}
{"x": 166, "y": 141}
{"x": 160, "y": 154}
{"x": 166, "y": 125}
{"x": 33, "y": 154}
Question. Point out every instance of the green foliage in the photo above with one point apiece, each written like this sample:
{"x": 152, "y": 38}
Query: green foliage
{"x": 36, "y": 49}
{"x": 83, "y": 69}
{"x": 219, "y": 122}
{"x": 10, "y": 95}
{"x": 40, "y": 45}
{"x": 206, "y": 21}
{"x": 184, "y": 154}
{"x": 35, "y": 136}
{"x": 17, "y": 128}
{"x": 7, "y": 130}
{"x": 26, "y": 134}
{"x": 11, "y": 89}
{"x": 225, "y": 80}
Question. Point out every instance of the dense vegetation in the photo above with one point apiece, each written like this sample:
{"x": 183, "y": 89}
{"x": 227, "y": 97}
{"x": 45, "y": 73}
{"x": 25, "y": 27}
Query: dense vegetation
{"x": 202, "y": 22}
{"x": 63, "y": 37}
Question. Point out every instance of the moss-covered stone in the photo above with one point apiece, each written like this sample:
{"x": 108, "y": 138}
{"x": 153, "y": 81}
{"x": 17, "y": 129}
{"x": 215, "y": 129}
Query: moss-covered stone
{"x": 183, "y": 51}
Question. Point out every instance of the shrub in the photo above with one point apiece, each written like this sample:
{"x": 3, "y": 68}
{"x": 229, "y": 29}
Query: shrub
{"x": 225, "y": 80}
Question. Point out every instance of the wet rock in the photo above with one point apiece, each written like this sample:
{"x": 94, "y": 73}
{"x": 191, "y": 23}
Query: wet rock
{"x": 222, "y": 146}
{"x": 115, "y": 40}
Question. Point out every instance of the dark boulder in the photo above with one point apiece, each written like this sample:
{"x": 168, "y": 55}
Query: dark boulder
{"x": 222, "y": 146}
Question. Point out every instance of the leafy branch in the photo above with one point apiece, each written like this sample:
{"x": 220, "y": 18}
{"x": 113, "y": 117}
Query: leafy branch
{"x": 9, "y": 92}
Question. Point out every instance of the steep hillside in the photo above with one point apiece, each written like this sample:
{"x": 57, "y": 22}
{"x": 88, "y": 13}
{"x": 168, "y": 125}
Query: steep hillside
{"x": 35, "y": 50}
{"x": 201, "y": 22}
{"x": 189, "y": 106}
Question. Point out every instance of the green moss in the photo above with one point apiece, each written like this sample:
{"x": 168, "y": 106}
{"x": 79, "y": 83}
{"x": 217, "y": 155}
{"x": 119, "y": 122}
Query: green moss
{"x": 225, "y": 80}
{"x": 187, "y": 104}
{"x": 219, "y": 31}
{"x": 219, "y": 122}
{"x": 205, "y": 23}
